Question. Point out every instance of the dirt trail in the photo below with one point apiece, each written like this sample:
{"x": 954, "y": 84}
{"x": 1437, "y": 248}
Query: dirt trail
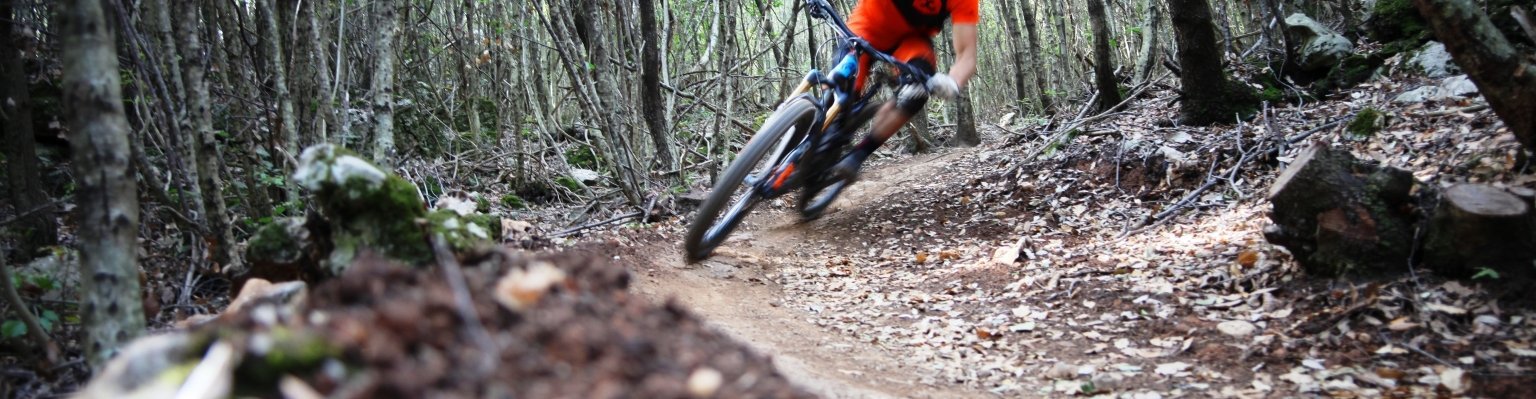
{"x": 739, "y": 291}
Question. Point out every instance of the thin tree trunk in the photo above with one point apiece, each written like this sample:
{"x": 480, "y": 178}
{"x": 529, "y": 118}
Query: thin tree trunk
{"x": 1040, "y": 72}
{"x": 287, "y": 123}
{"x": 193, "y": 69}
{"x": 383, "y": 83}
{"x": 26, "y": 188}
{"x": 112, "y": 312}
{"x": 1149, "y": 33}
{"x": 650, "y": 86}
{"x": 311, "y": 68}
{"x": 1103, "y": 67}
{"x": 1011, "y": 23}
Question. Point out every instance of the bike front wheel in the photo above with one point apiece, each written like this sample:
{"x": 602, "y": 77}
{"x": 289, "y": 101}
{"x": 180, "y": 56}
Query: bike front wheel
{"x": 730, "y": 200}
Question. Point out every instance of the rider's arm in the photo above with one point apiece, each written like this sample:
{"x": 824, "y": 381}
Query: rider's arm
{"x": 965, "y": 53}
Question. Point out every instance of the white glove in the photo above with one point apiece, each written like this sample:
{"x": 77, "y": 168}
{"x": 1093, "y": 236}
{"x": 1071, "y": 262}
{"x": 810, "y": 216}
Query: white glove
{"x": 943, "y": 86}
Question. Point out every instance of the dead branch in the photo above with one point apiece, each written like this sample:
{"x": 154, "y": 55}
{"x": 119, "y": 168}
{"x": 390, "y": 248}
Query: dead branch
{"x": 465, "y": 306}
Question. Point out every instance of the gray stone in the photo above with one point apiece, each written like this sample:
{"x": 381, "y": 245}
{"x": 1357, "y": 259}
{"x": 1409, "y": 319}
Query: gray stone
{"x": 1434, "y": 61}
{"x": 1458, "y": 86}
{"x": 1321, "y": 48}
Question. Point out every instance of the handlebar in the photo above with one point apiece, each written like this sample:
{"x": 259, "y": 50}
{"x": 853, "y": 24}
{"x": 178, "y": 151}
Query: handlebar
{"x": 821, "y": 9}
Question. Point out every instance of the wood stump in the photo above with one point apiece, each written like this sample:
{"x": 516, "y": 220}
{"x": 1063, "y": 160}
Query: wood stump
{"x": 1478, "y": 226}
{"x": 1341, "y": 217}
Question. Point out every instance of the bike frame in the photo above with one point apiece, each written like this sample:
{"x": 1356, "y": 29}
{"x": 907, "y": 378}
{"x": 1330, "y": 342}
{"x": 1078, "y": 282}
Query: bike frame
{"x": 836, "y": 100}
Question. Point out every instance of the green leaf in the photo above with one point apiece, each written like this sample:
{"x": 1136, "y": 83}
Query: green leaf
{"x": 12, "y": 329}
{"x": 48, "y": 319}
{"x": 1483, "y": 272}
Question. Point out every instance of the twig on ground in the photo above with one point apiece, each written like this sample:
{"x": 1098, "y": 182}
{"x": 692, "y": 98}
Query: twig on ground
{"x": 465, "y": 307}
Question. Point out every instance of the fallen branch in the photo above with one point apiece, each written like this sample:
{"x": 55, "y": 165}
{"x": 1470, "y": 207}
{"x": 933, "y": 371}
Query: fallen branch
{"x": 465, "y": 307}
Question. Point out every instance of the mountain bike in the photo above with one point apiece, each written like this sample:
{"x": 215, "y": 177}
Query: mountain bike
{"x": 799, "y": 143}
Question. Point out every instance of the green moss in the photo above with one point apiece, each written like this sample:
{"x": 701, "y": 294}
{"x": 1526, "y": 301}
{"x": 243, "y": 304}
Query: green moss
{"x": 581, "y": 156}
{"x": 1365, "y": 124}
{"x": 275, "y": 242}
{"x": 291, "y": 353}
{"x": 1398, "y": 24}
{"x": 570, "y": 183}
{"x": 513, "y": 201}
{"x": 464, "y": 232}
{"x": 1352, "y": 71}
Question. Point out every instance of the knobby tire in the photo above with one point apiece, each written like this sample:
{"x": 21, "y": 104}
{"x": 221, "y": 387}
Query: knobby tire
{"x": 709, "y": 228}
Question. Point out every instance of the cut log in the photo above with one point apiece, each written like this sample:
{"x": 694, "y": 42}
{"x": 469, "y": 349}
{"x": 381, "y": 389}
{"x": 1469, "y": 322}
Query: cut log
{"x": 1341, "y": 217}
{"x": 1479, "y": 226}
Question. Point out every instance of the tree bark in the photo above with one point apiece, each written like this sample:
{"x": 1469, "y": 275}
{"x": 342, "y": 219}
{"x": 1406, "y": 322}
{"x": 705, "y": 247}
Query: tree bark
{"x": 650, "y": 86}
{"x": 1040, "y": 72}
{"x": 382, "y": 85}
{"x": 1209, "y": 96}
{"x": 1340, "y": 217}
{"x": 194, "y": 66}
{"x": 23, "y": 176}
{"x": 1011, "y": 24}
{"x": 1149, "y": 34}
{"x": 965, "y": 120}
{"x": 1479, "y": 226}
{"x": 108, "y": 210}
{"x": 1103, "y": 67}
{"x": 287, "y": 124}
{"x": 1503, "y": 75}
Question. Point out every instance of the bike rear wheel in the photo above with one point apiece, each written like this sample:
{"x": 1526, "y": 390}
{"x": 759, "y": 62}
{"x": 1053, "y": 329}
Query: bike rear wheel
{"x": 710, "y": 227}
{"x": 818, "y": 196}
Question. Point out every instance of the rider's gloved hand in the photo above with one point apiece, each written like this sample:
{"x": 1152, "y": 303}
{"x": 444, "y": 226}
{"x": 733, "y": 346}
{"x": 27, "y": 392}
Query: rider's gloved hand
{"x": 943, "y": 86}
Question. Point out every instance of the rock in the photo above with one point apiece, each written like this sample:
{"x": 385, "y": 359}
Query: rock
{"x": 1236, "y": 328}
{"x": 1320, "y": 48}
{"x": 1480, "y": 226}
{"x": 1458, "y": 86}
{"x": 1422, "y": 94}
{"x": 365, "y": 207}
{"x": 1434, "y": 61}
{"x": 584, "y": 175}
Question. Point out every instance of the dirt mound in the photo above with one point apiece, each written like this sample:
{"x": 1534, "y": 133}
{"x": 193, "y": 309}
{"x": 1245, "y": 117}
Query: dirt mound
{"x": 387, "y": 330}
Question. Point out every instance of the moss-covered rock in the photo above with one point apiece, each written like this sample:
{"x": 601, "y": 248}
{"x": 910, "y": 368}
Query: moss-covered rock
{"x": 283, "y": 241}
{"x": 1397, "y": 25}
{"x": 464, "y": 232}
{"x": 366, "y": 207}
{"x": 1352, "y": 71}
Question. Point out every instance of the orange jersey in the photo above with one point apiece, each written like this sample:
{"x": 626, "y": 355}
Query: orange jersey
{"x": 876, "y": 19}
{"x": 905, "y": 28}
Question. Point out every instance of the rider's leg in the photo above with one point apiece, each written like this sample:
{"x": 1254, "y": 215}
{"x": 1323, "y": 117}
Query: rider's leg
{"x": 915, "y": 50}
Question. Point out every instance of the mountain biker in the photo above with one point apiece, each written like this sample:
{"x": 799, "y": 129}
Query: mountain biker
{"x": 905, "y": 29}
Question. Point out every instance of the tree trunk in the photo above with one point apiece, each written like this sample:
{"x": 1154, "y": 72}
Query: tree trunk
{"x": 1209, "y": 97}
{"x": 1340, "y": 217}
{"x": 1503, "y": 75}
{"x": 1103, "y": 68}
{"x": 287, "y": 124}
{"x": 24, "y": 177}
{"x": 918, "y": 134}
{"x": 312, "y": 70}
{"x": 240, "y": 80}
{"x": 1033, "y": 31}
{"x": 1149, "y": 33}
{"x": 650, "y": 87}
{"x": 965, "y": 120}
{"x": 383, "y": 82}
{"x": 111, "y": 310}
{"x": 200, "y": 118}
{"x": 1011, "y": 24}
{"x": 1479, "y": 226}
